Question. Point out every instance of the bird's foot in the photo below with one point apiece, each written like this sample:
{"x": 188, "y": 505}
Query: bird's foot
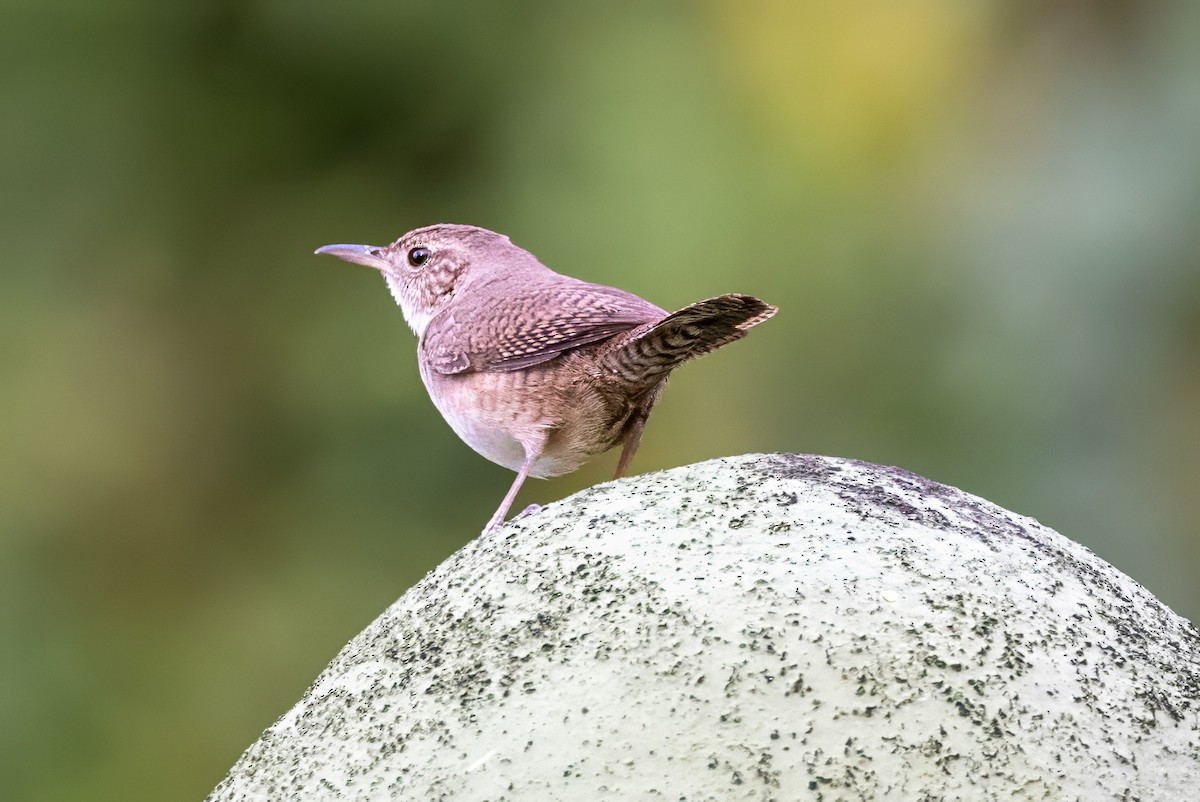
{"x": 498, "y": 521}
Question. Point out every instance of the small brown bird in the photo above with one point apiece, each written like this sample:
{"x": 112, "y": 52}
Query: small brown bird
{"x": 538, "y": 371}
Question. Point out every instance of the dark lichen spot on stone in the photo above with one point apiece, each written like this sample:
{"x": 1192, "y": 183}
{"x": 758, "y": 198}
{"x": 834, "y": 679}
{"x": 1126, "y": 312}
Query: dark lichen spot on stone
{"x": 880, "y": 491}
{"x": 796, "y": 466}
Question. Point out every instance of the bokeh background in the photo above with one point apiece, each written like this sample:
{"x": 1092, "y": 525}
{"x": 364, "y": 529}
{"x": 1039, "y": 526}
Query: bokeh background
{"x": 979, "y": 220}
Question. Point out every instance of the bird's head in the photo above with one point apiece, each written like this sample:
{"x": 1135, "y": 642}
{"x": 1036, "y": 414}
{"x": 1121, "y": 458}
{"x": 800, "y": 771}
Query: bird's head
{"x": 428, "y": 266}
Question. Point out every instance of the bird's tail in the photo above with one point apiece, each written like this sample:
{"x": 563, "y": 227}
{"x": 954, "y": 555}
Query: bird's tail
{"x": 691, "y": 332}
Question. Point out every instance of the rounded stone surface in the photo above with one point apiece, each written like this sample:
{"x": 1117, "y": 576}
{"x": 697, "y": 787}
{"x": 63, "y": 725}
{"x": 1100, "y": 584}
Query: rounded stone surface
{"x": 767, "y": 627}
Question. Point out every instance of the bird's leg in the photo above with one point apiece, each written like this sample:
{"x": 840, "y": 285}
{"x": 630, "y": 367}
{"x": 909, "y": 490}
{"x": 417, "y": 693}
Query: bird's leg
{"x": 498, "y": 518}
{"x": 634, "y": 429}
{"x": 632, "y": 440}
{"x": 532, "y": 453}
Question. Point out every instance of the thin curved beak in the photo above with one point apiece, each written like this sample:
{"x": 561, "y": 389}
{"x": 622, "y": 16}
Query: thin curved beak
{"x": 369, "y": 255}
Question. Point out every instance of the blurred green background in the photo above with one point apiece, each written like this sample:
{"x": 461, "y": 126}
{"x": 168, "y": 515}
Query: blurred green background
{"x": 979, "y": 221}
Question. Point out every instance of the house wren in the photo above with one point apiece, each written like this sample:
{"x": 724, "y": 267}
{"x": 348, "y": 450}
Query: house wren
{"x": 538, "y": 371}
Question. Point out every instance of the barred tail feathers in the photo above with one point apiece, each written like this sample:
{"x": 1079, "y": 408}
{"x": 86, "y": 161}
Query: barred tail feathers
{"x": 693, "y": 331}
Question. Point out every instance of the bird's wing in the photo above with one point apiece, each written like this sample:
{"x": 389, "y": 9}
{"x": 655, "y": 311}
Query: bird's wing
{"x": 528, "y": 325}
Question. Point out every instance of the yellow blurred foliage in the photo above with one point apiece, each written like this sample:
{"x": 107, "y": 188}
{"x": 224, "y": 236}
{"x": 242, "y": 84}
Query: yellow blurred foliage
{"x": 852, "y": 84}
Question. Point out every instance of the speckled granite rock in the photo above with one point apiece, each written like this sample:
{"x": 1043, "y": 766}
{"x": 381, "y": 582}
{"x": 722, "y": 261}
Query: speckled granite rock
{"x": 763, "y": 627}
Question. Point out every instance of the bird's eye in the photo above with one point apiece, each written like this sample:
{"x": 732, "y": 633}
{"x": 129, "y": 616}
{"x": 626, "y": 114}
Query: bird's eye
{"x": 418, "y": 256}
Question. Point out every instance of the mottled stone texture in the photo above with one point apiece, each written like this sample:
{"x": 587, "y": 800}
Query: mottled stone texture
{"x": 762, "y": 627}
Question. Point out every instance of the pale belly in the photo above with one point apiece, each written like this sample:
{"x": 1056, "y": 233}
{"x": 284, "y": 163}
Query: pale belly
{"x": 499, "y": 415}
